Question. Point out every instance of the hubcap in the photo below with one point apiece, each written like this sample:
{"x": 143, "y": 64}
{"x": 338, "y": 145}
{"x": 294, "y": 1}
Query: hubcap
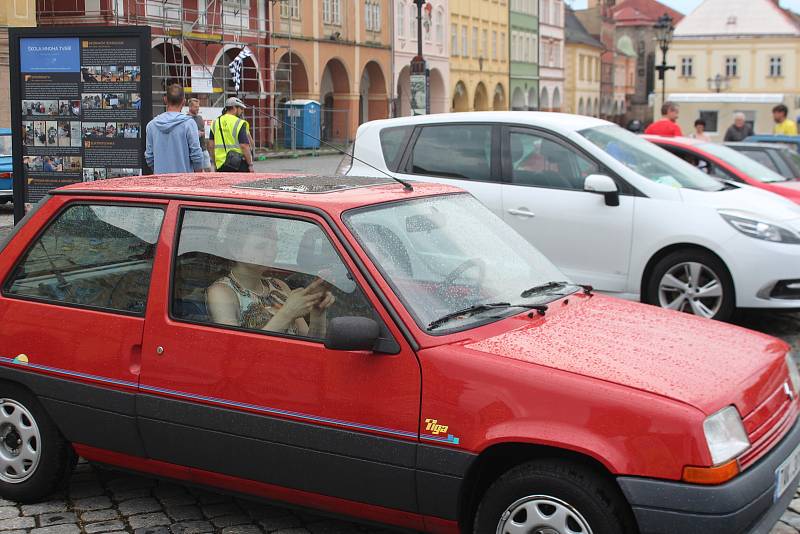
{"x": 542, "y": 514}
{"x": 20, "y": 442}
{"x": 691, "y": 287}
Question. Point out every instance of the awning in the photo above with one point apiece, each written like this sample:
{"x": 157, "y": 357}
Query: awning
{"x": 727, "y": 98}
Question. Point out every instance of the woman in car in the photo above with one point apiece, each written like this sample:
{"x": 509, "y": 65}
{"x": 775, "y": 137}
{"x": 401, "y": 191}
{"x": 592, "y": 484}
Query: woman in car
{"x": 246, "y": 297}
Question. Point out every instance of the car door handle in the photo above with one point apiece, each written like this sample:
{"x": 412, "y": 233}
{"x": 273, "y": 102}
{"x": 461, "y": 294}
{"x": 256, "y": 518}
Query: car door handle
{"x": 522, "y": 212}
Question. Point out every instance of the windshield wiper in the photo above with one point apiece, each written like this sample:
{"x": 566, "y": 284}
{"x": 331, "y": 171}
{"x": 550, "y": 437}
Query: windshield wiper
{"x": 477, "y": 308}
{"x": 552, "y": 286}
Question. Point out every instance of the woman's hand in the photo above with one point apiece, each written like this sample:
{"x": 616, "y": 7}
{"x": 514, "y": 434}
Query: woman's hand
{"x": 301, "y": 302}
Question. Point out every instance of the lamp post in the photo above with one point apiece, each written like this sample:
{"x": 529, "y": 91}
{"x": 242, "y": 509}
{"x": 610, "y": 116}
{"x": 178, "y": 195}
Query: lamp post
{"x": 664, "y": 29}
{"x": 420, "y": 103}
{"x": 718, "y": 83}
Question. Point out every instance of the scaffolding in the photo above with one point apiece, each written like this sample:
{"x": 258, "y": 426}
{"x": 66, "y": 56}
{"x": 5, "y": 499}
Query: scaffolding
{"x": 194, "y": 47}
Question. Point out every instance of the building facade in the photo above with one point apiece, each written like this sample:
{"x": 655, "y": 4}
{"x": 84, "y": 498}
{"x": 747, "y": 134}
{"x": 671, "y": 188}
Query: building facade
{"x": 734, "y": 55}
{"x": 582, "y": 72}
{"x": 479, "y": 54}
{"x": 337, "y": 52}
{"x": 13, "y": 13}
{"x": 435, "y": 49}
{"x": 624, "y": 79}
{"x": 633, "y": 24}
{"x": 524, "y": 54}
{"x": 551, "y": 54}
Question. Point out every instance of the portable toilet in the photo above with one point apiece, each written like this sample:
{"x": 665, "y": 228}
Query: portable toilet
{"x": 303, "y": 119}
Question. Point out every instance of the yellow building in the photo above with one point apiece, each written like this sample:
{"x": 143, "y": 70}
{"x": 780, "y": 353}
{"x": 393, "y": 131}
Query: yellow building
{"x": 582, "y": 75}
{"x": 479, "y": 54}
{"x": 13, "y": 13}
{"x": 730, "y": 56}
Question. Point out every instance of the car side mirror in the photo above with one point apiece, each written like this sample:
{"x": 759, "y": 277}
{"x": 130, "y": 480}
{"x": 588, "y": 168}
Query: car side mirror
{"x": 352, "y": 333}
{"x": 603, "y": 185}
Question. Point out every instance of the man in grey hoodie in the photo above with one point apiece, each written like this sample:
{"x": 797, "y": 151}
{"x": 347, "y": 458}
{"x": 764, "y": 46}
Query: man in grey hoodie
{"x": 173, "y": 142}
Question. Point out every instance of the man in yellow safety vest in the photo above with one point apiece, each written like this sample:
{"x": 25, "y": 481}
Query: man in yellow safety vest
{"x": 229, "y": 139}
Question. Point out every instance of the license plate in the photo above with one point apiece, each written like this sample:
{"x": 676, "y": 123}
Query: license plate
{"x": 786, "y": 473}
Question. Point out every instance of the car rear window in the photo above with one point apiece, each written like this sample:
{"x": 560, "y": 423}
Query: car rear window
{"x": 392, "y": 142}
{"x": 461, "y": 151}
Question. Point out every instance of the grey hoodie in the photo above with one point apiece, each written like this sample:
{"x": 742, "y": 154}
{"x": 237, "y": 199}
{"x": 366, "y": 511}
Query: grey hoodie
{"x": 173, "y": 144}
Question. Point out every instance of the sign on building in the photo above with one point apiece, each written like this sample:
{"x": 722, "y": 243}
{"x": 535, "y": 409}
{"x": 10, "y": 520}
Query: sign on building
{"x": 80, "y": 101}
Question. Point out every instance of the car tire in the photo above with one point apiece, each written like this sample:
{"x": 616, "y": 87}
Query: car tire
{"x": 694, "y": 271}
{"x": 46, "y": 464}
{"x": 555, "y": 494}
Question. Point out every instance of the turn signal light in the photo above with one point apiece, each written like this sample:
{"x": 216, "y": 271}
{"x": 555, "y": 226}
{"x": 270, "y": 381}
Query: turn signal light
{"x": 711, "y": 475}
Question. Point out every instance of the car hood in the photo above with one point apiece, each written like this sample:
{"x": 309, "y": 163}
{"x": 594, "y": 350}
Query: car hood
{"x": 789, "y": 189}
{"x": 703, "y": 363}
{"x": 746, "y": 198}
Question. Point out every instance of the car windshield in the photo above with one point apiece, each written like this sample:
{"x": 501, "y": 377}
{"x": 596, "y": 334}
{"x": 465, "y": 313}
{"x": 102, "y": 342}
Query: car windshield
{"x": 5, "y": 145}
{"x": 447, "y": 253}
{"x": 647, "y": 159}
{"x": 744, "y": 163}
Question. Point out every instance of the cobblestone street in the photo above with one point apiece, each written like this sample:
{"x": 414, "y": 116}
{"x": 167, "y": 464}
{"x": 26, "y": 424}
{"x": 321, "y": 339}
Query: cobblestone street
{"x": 101, "y": 501}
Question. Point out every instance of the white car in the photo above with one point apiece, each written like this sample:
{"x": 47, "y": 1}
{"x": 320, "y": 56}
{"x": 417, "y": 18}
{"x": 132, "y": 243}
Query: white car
{"x": 610, "y": 209}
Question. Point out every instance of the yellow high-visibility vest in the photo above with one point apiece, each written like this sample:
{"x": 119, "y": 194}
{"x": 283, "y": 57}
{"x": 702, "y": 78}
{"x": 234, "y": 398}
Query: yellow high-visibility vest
{"x": 226, "y": 130}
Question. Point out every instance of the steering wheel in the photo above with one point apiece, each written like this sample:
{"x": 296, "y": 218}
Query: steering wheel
{"x": 476, "y": 263}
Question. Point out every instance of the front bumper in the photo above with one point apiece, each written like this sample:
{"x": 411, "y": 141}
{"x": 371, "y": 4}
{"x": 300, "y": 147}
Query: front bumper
{"x": 742, "y": 506}
{"x": 757, "y": 267}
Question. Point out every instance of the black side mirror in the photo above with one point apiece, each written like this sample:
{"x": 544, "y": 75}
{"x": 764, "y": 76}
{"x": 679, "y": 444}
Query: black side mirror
{"x": 352, "y": 333}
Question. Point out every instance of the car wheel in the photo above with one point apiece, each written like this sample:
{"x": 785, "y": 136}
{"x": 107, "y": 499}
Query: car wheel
{"x": 552, "y": 497}
{"x": 692, "y": 281}
{"x": 34, "y": 458}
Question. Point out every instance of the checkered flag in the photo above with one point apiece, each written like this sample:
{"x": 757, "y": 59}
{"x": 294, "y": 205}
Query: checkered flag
{"x": 236, "y": 67}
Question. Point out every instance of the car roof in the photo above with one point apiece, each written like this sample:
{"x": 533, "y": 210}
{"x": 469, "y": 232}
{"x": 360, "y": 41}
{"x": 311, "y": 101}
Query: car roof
{"x": 563, "y": 121}
{"x": 5, "y": 131}
{"x": 675, "y": 140}
{"x": 773, "y": 146}
{"x": 332, "y": 193}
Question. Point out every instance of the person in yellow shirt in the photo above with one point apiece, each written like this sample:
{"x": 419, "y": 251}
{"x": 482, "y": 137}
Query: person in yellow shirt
{"x": 783, "y": 125}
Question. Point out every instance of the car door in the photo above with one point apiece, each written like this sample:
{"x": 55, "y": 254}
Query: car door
{"x": 73, "y": 309}
{"x": 275, "y": 407}
{"x": 544, "y": 200}
{"x": 465, "y": 155}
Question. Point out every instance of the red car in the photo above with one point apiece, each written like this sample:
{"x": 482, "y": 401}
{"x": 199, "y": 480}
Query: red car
{"x": 356, "y": 346}
{"x": 726, "y": 163}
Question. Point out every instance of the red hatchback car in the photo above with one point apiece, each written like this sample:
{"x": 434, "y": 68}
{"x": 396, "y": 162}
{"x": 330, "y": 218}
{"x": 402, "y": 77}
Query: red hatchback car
{"x": 354, "y": 346}
{"x": 724, "y": 162}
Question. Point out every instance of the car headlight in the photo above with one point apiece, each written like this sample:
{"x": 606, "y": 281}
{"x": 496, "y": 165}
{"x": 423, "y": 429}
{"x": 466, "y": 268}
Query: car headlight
{"x": 794, "y": 373}
{"x": 725, "y": 435}
{"x": 753, "y": 227}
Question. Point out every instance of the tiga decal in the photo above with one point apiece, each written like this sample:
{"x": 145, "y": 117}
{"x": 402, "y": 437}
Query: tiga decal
{"x": 433, "y": 426}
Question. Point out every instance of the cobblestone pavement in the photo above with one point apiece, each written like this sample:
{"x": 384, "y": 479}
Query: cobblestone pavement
{"x": 99, "y": 501}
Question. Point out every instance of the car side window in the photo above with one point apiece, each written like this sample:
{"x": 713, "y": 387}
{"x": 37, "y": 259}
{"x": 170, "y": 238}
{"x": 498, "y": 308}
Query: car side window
{"x": 99, "y": 256}
{"x": 763, "y": 158}
{"x": 392, "y": 142}
{"x": 269, "y": 274}
{"x": 462, "y": 151}
{"x": 539, "y": 161}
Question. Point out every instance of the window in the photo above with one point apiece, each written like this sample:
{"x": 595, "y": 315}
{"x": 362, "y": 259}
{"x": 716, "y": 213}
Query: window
{"x": 513, "y": 46}
{"x": 582, "y": 69}
{"x": 236, "y": 13}
{"x": 711, "y": 118}
{"x": 546, "y": 11}
{"x": 541, "y": 162}
{"x": 238, "y": 270}
{"x": 401, "y": 19}
{"x": 99, "y": 256}
{"x": 526, "y": 48}
{"x": 503, "y": 46}
{"x": 412, "y": 20}
{"x": 439, "y": 25}
{"x": 687, "y": 67}
{"x": 731, "y": 67}
{"x": 475, "y": 42}
{"x": 557, "y": 13}
{"x": 485, "y": 44}
{"x": 468, "y": 148}
{"x": 494, "y": 45}
{"x": 464, "y": 42}
{"x": 331, "y": 12}
{"x": 775, "y": 66}
{"x": 392, "y": 142}
{"x": 290, "y": 8}
{"x": 454, "y": 39}
{"x": 372, "y": 15}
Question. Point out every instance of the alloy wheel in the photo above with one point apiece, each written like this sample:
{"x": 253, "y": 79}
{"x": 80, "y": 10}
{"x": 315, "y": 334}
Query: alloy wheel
{"x": 20, "y": 442}
{"x": 541, "y": 514}
{"x": 691, "y": 287}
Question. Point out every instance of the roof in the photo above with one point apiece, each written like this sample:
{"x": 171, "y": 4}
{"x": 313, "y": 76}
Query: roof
{"x": 544, "y": 119}
{"x": 714, "y": 18}
{"x": 641, "y": 12}
{"x": 575, "y": 32}
{"x": 674, "y": 140}
{"x": 240, "y": 186}
{"x": 5, "y": 131}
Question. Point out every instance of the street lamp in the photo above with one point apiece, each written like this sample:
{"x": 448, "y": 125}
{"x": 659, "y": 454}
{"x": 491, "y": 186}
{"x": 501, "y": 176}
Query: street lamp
{"x": 420, "y": 103}
{"x": 664, "y": 29}
{"x": 718, "y": 83}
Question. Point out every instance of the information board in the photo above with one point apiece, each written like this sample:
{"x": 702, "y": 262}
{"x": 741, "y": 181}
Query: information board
{"x": 81, "y": 98}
